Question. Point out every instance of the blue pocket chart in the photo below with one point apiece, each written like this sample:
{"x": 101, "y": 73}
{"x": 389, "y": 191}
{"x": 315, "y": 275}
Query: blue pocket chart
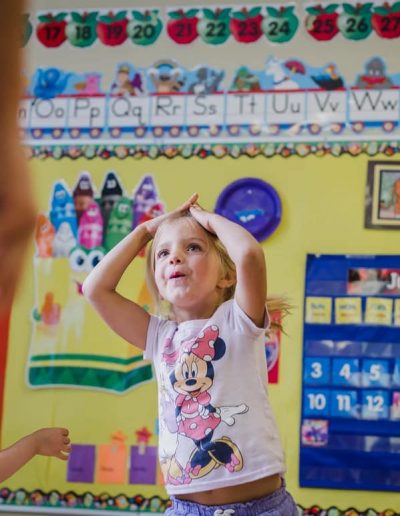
{"x": 350, "y": 415}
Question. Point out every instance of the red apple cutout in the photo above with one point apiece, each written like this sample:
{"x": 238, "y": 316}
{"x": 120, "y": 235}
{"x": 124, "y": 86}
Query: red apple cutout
{"x": 51, "y": 30}
{"x": 112, "y": 28}
{"x": 321, "y": 22}
{"x": 246, "y": 25}
{"x": 386, "y": 20}
{"x": 182, "y": 27}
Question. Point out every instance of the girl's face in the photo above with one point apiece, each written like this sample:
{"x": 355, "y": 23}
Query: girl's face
{"x": 188, "y": 271}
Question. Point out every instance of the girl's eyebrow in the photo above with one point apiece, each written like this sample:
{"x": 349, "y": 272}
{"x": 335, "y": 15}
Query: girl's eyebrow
{"x": 167, "y": 243}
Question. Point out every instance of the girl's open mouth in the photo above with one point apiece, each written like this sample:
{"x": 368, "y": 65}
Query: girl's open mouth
{"x": 176, "y": 275}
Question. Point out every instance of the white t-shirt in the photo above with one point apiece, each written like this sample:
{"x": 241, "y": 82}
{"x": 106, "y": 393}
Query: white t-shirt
{"x": 216, "y": 424}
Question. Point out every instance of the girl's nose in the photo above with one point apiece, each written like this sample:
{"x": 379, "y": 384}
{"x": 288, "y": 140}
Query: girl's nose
{"x": 175, "y": 258}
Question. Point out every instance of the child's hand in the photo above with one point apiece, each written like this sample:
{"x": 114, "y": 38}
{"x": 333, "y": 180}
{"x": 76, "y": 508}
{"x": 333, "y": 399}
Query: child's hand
{"x": 153, "y": 225}
{"x": 203, "y": 217}
{"x": 52, "y": 442}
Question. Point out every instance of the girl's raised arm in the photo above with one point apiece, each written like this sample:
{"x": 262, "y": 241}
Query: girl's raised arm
{"x": 248, "y": 257}
{"x": 124, "y": 316}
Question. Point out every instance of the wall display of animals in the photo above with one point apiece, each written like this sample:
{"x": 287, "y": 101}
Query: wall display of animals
{"x": 287, "y": 98}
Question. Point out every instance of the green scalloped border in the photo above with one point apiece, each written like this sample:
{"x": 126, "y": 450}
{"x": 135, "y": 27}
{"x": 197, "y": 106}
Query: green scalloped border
{"x": 217, "y": 150}
{"x": 88, "y": 501}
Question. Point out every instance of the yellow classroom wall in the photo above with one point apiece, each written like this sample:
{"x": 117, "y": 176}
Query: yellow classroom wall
{"x": 322, "y": 212}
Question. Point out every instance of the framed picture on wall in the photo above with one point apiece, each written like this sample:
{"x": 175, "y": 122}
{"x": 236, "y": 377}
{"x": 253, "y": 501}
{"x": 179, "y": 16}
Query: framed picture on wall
{"x": 382, "y": 199}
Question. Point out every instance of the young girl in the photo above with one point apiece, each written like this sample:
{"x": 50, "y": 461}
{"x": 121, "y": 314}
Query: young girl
{"x": 218, "y": 446}
{"x": 51, "y": 442}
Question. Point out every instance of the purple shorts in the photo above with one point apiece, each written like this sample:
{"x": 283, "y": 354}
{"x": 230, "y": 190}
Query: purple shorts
{"x": 279, "y": 503}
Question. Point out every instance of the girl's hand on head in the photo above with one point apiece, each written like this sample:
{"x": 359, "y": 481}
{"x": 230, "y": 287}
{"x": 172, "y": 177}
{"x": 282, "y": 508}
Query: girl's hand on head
{"x": 202, "y": 216}
{"x": 153, "y": 224}
{"x": 192, "y": 201}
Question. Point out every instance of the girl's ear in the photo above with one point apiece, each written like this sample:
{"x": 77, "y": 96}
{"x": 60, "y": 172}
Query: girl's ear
{"x": 226, "y": 282}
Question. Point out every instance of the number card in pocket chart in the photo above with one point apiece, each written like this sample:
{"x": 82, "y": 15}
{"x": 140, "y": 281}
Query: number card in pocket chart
{"x": 351, "y": 373}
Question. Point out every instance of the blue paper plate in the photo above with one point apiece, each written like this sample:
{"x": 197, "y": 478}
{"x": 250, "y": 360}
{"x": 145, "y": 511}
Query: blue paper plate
{"x": 252, "y": 203}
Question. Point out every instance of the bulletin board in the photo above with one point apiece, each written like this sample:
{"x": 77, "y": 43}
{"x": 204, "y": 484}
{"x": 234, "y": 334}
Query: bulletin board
{"x": 350, "y": 411}
{"x": 126, "y": 112}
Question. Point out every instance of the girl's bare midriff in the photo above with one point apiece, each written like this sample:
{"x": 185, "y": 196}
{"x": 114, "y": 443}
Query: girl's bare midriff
{"x": 236, "y": 494}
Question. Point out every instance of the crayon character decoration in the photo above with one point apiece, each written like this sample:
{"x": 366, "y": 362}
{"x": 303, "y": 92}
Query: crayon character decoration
{"x": 192, "y": 378}
{"x": 146, "y": 204}
{"x": 64, "y": 240}
{"x": 90, "y": 232}
{"x": 63, "y": 208}
{"x": 110, "y": 195}
{"x": 144, "y": 198}
{"x": 44, "y": 236}
{"x": 82, "y": 194}
{"x": 120, "y": 223}
{"x": 82, "y": 261}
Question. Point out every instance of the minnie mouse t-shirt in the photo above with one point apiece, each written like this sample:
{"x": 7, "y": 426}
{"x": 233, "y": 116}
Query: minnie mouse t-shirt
{"x": 216, "y": 424}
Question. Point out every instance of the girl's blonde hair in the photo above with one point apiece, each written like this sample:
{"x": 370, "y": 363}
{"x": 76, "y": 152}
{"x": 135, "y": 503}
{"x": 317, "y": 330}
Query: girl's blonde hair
{"x": 275, "y": 304}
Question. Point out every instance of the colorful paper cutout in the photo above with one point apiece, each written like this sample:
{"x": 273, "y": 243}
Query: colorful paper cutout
{"x": 182, "y": 26}
{"x": 111, "y": 467}
{"x": 81, "y": 463}
{"x": 145, "y": 27}
{"x": 81, "y": 29}
{"x": 51, "y": 29}
{"x": 143, "y": 468}
{"x": 112, "y": 28}
{"x": 321, "y": 21}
